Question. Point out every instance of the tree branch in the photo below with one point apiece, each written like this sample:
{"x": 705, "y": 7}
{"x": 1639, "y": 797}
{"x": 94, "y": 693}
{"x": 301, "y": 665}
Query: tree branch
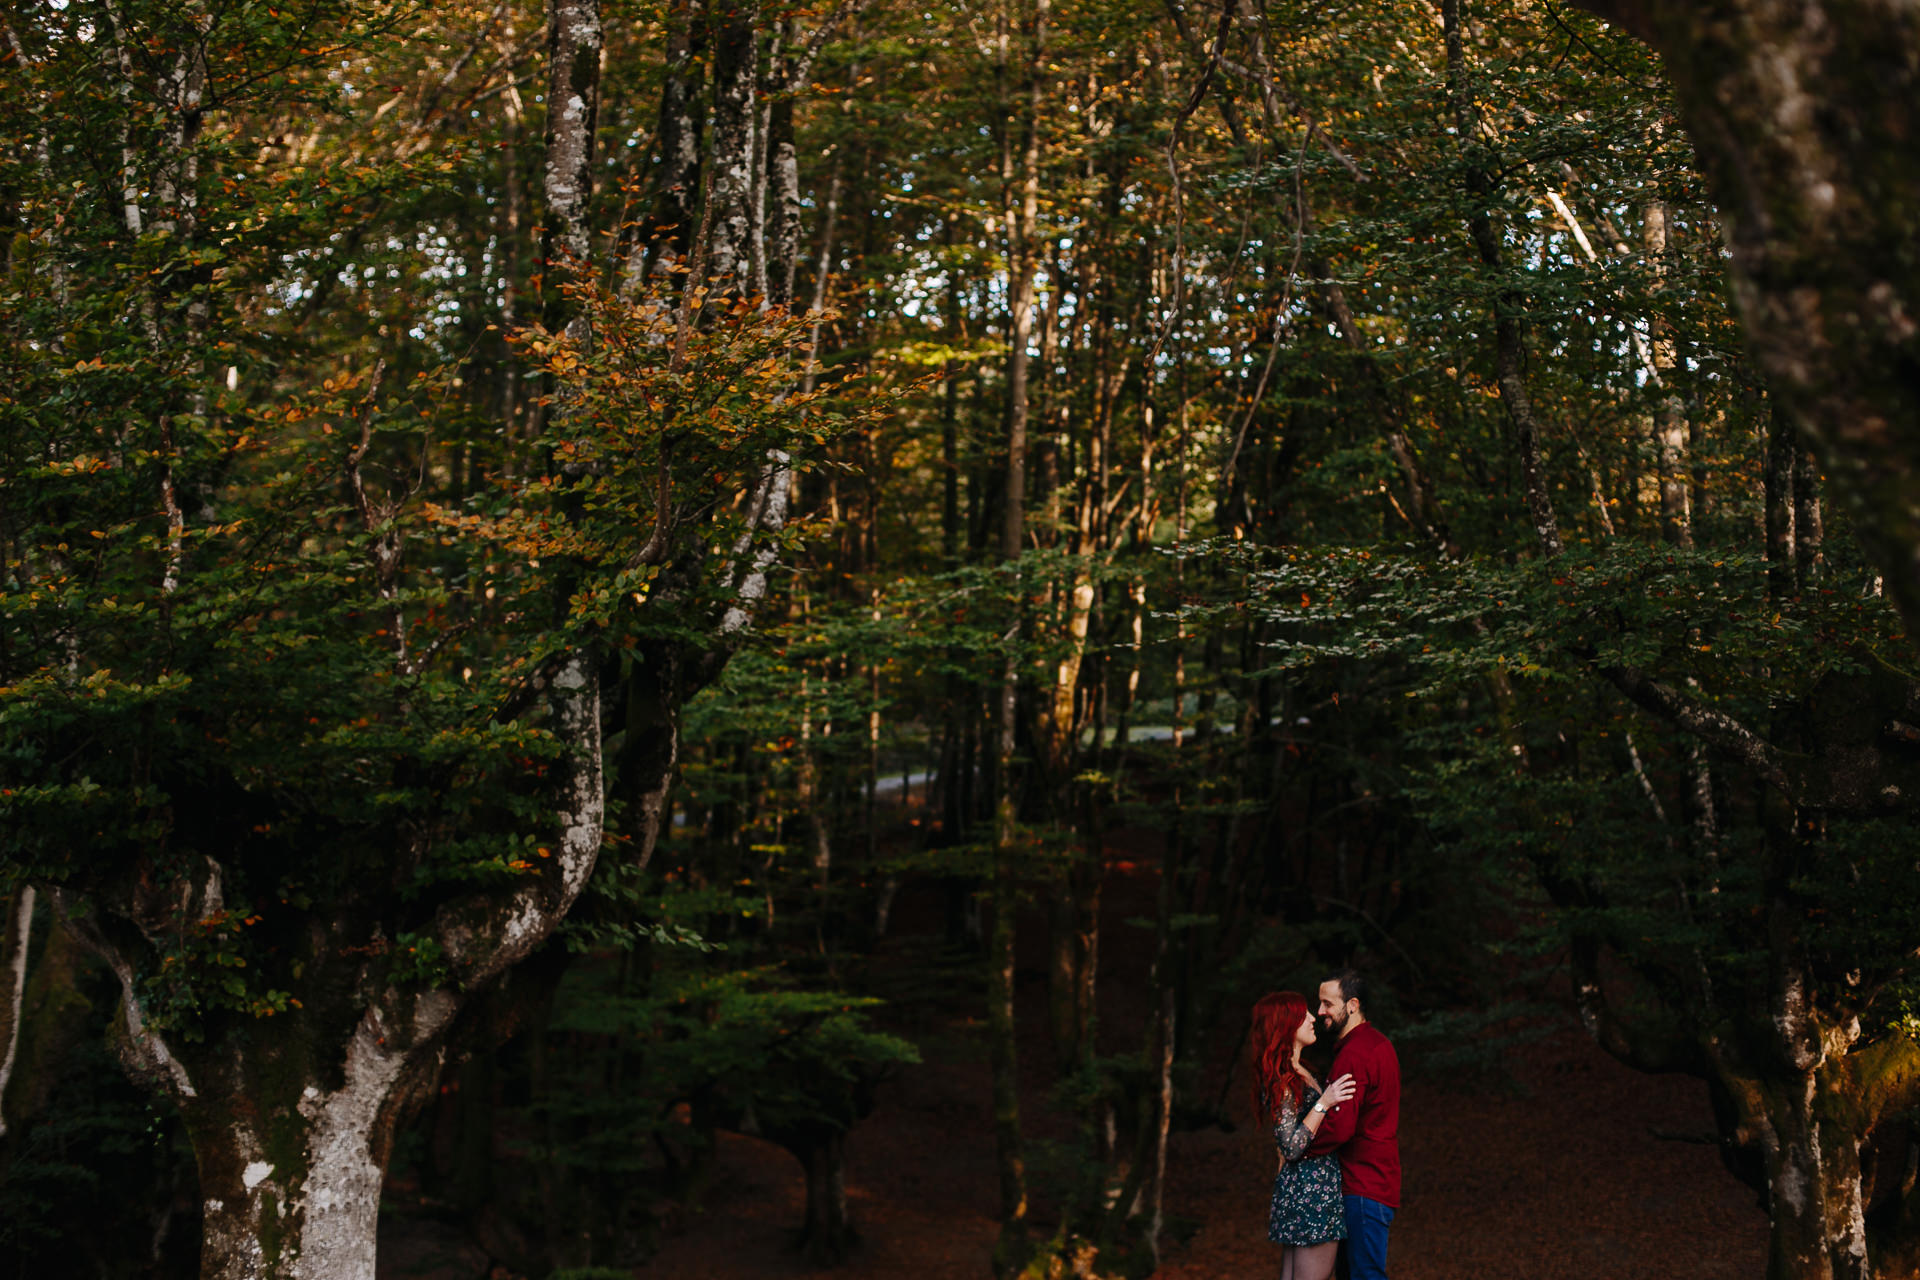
{"x": 1716, "y": 728}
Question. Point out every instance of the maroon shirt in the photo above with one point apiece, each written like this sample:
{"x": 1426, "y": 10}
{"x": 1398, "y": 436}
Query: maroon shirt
{"x": 1365, "y": 1130}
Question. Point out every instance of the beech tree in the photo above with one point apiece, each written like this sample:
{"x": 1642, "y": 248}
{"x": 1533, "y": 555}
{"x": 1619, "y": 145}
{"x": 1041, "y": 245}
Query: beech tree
{"x": 1802, "y": 115}
{"x": 306, "y": 662}
{"x": 1781, "y": 788}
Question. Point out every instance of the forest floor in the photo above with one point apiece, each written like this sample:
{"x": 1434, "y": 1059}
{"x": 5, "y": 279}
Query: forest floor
{"x": 1569, "y": 1183}
{"x": 1565, "y": 1166}
{"x": 1557, "y": 1164}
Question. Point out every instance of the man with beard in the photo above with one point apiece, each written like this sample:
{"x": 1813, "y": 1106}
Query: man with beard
{"x": 1364, "y": 1132}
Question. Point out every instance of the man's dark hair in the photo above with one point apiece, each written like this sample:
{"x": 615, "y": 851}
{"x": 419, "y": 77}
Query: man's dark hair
{"x": 1353, "y": 985}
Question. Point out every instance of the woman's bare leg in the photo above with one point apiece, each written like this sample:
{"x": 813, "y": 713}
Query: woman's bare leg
{"x": 1313, "y": 1261}
{"x": 1286, "y": 1262}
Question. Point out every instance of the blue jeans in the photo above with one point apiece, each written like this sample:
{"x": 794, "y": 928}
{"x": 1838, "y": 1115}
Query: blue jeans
{"x": 1367, "y": 1222}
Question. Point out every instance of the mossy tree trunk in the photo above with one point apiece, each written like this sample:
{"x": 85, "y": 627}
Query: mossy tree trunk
{"x": 1821, "y": 207}
{"x": 1815, "y": 1085}
{"x": 292, "y": 1115}
{"x": 1814, "y": 1107}
{"x": 292, "y": 1139}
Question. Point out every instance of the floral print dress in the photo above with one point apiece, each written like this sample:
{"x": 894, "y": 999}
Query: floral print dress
{"x": 1307, "y": 1208}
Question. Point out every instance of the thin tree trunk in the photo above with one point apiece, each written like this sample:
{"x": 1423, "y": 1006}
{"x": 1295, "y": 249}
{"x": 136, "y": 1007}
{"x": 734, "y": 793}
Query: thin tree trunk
{"x": 1670, "y": 439}
{"x": 759, "y": 125}
{"x": 1009, "y": 1148}
{"x": 1809, "y": 529}
{"x": 828, "y": 1232}
{"x": 131, "y": 215}
{"x": 1669, "y": 416}
{"x": 783, "y": 176}
{"x": 950, "y": 420}
{"x": 1509, "y": 304}
{"x": 1149, "y": 1210}
{"x": 1072, "y": 941}
{"x": 511, "y": 216}
{"x": 1020, "y": 186}
{"x": 1782, "y": 455}
{"x": 1421, "y": 507}
{"x": 784, "y": 251}
{"x": 667, "y": 233}
{"x": 652, "y": 747}
{"x": 813, "y": 810}
{"x": 1422, "y": 504}
{"x": 16, "y": 939}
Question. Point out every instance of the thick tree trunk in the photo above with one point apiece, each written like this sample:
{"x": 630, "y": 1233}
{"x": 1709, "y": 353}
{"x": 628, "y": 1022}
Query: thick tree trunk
{"x": 292, "y": 1117}
{"x": 574, "y": 40}
{"x": 729, "y": 219}
{"x": 292, "y": 1156}
{"x": 1804, "y": 115}
{"x": 828, "y": 1233}
{"x": 53, "y": 1016}
{"x": 783, "y": 180}
{"x": 1817, "y": 1222}
{"x": 1810, "y": 1123}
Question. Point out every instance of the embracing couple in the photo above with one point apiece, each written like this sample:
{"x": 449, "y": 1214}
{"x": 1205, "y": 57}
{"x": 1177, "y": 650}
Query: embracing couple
{"x": 1339, "y": 1141}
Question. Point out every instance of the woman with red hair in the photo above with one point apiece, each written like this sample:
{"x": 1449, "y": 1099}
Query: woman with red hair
{"x": 1307, "y": 1219}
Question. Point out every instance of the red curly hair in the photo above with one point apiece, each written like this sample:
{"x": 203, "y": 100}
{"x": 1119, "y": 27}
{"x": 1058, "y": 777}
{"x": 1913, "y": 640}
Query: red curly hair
{"x": 1276, "y": 1021}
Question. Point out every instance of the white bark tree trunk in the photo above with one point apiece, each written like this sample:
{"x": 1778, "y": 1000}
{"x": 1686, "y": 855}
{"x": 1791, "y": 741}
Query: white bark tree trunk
{"x": 291, "y": 1177}
{"x": 1670, "y": 435}
{"x": 16, "y": 937}
{"x": 734, "y": 66}
{"x": 292, "y": 1117}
